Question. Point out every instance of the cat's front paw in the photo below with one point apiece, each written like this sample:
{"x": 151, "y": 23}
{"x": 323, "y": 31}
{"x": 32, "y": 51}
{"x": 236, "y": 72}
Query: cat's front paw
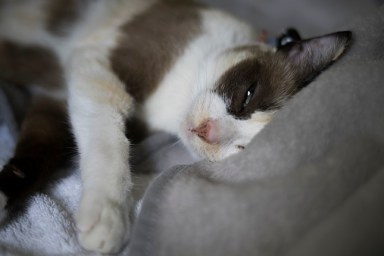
{"x": 103, "y": 225}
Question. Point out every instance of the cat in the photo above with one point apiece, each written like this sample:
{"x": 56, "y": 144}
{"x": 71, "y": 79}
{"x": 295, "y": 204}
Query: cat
{"x": 183, "y": 68}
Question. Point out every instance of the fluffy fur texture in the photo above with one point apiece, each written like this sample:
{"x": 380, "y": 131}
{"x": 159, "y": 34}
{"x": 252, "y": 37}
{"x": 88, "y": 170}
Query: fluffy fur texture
{"x": 200, "y": 75}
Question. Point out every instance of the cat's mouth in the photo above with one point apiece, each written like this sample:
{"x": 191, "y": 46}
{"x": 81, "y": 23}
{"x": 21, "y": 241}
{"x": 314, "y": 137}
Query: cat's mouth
{"x": 211, "y": 139}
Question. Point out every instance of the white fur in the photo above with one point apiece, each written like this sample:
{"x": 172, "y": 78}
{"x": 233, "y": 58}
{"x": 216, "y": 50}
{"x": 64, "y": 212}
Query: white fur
{"x": 98, "y": 107}
{"x": 99, "y": 130}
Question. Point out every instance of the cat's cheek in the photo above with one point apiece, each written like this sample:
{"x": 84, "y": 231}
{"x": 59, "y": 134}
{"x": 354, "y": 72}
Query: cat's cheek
{"x": 191, "y": 142}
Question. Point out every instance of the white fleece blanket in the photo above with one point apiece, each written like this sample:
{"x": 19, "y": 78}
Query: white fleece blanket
{"x": 47, "y": 226}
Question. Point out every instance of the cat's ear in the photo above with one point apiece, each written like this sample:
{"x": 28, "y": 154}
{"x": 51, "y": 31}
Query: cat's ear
{"x": 311, "y": 56}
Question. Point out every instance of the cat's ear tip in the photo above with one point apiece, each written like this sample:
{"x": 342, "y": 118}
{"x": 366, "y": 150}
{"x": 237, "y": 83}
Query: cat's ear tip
{"x": 344, "y": 37}
{"x": 344, "y": 40}
{"x": 345, "y": 34}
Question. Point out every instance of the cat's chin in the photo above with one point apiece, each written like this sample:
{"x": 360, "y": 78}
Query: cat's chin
{"x": 203, "y": 150}
{"x": 196, "y": 147}
{"x": 215, "y": 153}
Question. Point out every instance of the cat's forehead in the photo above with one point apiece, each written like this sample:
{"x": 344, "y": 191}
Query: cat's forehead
{"x": 266, "y": 72}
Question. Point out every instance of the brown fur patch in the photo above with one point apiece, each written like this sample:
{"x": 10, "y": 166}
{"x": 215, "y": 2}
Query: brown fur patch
{"x": 45, "y": 144}
{"x": 29, "y": 64}
{"x": 63, "y": 14}
{"x": 151, "y": 43}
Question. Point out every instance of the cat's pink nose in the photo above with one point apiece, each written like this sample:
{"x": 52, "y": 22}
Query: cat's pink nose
{"x": 208, "y": 131}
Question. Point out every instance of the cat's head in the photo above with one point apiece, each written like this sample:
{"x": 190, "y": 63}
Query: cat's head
{"x": 253, "y": 84}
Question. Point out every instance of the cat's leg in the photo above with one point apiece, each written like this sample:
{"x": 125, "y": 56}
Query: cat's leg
{"x": 99, "y": 107}
{"x": 45, "y": 143}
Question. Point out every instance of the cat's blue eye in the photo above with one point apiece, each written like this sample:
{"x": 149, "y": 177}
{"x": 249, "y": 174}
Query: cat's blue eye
{"x": 248, "y": 96}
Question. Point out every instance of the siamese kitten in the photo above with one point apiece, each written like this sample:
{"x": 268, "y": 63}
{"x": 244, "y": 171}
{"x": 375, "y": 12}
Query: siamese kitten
{"x": 185, "y": 69}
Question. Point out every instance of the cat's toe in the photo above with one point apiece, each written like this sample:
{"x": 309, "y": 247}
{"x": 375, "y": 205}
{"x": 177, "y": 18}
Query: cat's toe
{"x": 103, "y": 227}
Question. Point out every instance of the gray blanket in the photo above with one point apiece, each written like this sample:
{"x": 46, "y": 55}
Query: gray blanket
{"x": 311, "y": 183}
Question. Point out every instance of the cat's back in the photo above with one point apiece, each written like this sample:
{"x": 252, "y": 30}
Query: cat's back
{"x": 141, "y": 40}
{"x": 65, "y": 23}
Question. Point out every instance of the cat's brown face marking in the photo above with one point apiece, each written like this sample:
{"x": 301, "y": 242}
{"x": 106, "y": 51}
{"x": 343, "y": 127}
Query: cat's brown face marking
{"x": 151, "y": 43}
{"x": 29, "y": 64}
{"x": 266, "y": 76}
{"x": 266, "y": 79}
{"x": 45, "y": 142}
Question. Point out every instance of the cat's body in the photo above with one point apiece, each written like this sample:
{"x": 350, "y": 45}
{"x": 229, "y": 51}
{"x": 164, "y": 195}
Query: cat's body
{"x": 185, "y": 69}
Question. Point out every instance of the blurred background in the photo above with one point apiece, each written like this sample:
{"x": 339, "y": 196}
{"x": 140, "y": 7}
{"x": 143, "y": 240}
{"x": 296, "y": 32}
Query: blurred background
{"x": 309, "y": 17}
